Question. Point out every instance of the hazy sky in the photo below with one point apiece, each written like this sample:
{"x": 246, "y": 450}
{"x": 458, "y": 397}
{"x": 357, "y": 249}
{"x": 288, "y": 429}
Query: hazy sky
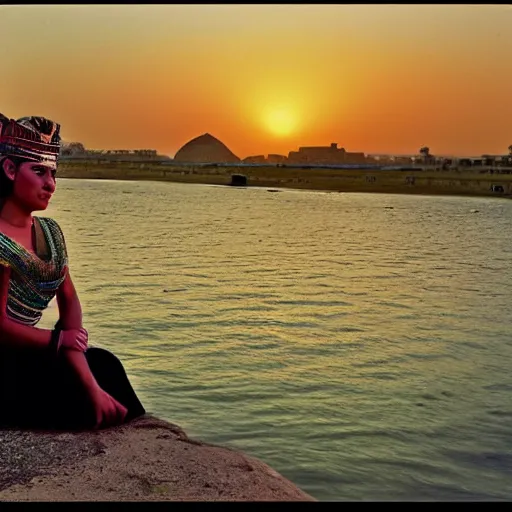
{"x": 264, "y": 78}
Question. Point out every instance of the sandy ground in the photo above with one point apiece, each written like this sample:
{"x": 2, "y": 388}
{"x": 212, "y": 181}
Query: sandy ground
{"x": 428, "y": 181}
{"x": 145, "y": 460}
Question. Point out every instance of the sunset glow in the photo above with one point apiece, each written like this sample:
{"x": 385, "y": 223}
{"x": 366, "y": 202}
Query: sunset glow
{"x": 281, "y": 121}
{"x": 264, "y": 78}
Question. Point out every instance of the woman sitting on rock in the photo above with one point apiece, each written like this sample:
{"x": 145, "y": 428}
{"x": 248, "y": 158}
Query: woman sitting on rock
{"x": 48, "y": 378}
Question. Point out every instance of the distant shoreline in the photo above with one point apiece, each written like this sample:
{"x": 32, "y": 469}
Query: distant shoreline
{"x": 408, "y": 181}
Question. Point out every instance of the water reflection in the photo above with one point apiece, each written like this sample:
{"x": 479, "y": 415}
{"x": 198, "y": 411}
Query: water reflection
{"x": 360, "y": 350}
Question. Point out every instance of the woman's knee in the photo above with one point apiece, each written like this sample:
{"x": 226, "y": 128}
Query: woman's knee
{"x": 104, "y": 365}
{"x": 101, "y": 355}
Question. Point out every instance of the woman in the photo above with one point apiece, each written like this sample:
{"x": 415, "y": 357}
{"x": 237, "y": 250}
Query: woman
{"x": 48, "y": 378}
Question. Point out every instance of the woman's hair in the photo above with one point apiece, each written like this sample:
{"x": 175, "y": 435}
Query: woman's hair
{"x": 6, "y": 185}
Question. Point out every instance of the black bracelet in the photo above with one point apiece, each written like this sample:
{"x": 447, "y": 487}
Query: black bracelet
{"x": 54, "y": 341}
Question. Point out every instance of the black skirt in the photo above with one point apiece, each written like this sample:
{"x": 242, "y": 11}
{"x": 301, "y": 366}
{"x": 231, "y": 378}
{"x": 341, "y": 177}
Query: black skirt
{"x": 41, "y": 392}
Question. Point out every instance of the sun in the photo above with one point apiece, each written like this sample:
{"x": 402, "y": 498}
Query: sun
{"x": 281, "y": 121}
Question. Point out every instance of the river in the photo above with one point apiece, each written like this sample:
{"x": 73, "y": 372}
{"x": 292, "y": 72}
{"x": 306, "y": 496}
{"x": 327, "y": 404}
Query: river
{"x": 360, "y": 344}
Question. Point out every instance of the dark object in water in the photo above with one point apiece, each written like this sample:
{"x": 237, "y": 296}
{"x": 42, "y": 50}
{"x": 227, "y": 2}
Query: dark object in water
{"x": 272, "y": 190}
{"x": 238, "y": 180}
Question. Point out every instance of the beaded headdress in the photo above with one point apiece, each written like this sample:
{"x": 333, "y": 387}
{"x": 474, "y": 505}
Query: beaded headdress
{"x": 31, "y": 138}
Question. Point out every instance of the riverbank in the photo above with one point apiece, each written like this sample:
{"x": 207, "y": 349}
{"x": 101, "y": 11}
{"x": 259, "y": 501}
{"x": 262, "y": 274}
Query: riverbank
{"x": 145, "y": 460}
{"x": 411, "y": 181}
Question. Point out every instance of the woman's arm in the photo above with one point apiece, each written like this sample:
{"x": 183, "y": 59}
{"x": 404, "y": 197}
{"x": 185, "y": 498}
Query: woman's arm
{"x": 108, "y": 411}
{"x": 70, "y": 309}
{"x": 13, "y": 333}
{"x": 70, "y": 317}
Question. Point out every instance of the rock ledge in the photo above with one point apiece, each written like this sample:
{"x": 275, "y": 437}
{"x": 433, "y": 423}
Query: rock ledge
{"x": 147, "y": 459}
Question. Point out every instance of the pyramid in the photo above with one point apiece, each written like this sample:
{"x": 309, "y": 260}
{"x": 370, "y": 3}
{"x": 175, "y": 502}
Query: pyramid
{"x": 205, "y": 149}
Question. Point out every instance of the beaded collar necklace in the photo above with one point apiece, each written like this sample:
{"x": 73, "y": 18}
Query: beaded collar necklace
{"x": 23, "y": 254}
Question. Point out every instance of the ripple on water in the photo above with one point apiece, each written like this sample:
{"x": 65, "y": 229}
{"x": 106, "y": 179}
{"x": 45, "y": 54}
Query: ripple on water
{"x": 364, "y": 359}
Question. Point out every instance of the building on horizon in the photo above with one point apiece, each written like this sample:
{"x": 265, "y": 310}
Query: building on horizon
{"x": 255, "y": 159}
{"x": 76, "y": 150}
{"x": 326, "y": 155}
{"x": 276, "y": 159}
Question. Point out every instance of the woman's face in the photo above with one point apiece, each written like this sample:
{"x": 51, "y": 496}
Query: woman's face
{"x": 34, "y": 185}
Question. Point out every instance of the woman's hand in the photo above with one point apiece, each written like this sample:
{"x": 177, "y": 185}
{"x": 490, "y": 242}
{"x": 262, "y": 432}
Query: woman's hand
{"x": 108, "y": 411}
{"x": 74, "y": 339}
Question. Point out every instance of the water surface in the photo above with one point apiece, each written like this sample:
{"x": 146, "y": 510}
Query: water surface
{"x": 359, "y": 344}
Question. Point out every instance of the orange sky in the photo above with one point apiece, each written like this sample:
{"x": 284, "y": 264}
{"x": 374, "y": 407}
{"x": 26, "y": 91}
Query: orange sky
{"x": 264, "y": 78}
